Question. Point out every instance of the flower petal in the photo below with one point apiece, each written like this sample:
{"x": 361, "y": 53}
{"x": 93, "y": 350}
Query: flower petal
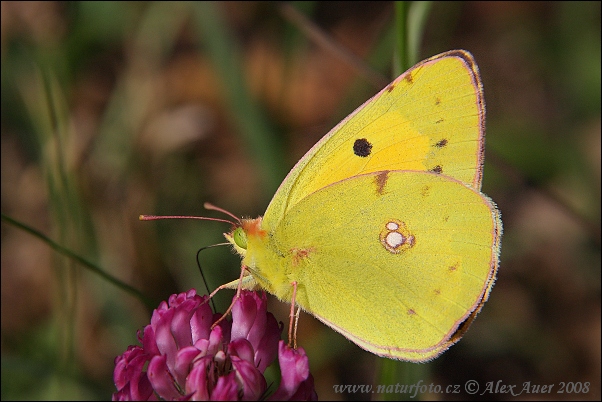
{"x": 201, "y": 320}
{"x": 294, "y": 366}
{"x": 252, "y": 381}
{"x": 180, "y": 323}
{"x": 131, "y": 382}
{"x": 226, "y": 389}
{"x": 243, "y": 349}
{"x": 267, "y": 350}
{"x": 257, "y": 331}
{"x": 197, "y": 383}
{"x": 183, "y": 365}
{"x": 164, "y": 338}
{"x": 161, "y": 379}
{"x": 244, "y": 312}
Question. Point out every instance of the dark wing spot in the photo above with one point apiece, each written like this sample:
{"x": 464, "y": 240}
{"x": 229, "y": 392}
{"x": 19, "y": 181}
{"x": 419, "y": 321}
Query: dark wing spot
{"x": 425, "y": 191}
{"x": 409, "y": 78}
{"x": 437, "y": 101}
{"x": 441, "y": 143}
{"x": 391, "y": 87}
{"x": 361, "y": 147}
{"x": 439, "y": 121}
{"x": 381, "y": 181}
{"x": 453, "y": 267}
{"x": 437, "y": 169}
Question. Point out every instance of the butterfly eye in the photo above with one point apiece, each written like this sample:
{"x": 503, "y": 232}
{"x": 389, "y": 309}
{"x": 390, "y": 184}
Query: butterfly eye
{"x": 240, "y": 238}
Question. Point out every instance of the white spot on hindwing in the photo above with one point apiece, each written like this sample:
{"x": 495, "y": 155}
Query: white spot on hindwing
{"x": 394, "y": 239}
{"x": 395, "y": 236}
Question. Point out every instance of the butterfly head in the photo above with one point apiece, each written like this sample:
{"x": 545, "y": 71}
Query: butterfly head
{"x": 239, "y": 237}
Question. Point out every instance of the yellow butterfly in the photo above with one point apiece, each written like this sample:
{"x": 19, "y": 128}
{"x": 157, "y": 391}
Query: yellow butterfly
{"x": 380, "y": 230}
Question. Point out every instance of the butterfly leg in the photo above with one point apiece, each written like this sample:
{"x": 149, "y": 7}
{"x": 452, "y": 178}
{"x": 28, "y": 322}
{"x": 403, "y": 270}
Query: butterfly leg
{"x": 243, "y": 269}
{"x": 292, "y": 328}
{"x": 296, "y": 326}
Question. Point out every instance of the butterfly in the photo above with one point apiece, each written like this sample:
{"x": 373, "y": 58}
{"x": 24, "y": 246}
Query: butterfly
{"x": 381, "y": 231}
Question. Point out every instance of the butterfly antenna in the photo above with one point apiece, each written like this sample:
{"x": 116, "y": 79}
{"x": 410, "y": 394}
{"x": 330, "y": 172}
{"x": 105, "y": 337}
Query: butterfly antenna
{"x": 198, "y": 264}
{"x": 202, "y": 218}
{"x": 212, "y": 207}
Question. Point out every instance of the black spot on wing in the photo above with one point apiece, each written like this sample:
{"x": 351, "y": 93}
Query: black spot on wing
{"x": 362, "y": 148}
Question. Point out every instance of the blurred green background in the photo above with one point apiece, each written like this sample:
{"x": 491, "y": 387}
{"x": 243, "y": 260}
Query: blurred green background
{"x": 112, "y": 110}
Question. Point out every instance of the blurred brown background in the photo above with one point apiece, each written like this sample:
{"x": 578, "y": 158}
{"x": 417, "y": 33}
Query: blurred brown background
{"x": 112, "y": 110}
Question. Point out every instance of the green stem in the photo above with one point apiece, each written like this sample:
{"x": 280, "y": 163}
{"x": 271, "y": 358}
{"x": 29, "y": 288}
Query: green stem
{"x": 92, "y": 267}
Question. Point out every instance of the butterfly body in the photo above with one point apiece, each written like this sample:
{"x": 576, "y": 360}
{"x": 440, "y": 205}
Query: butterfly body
{"x": 381, "y": 226}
